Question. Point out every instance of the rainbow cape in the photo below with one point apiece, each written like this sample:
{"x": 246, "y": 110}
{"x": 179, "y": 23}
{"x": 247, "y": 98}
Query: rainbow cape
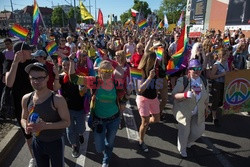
{"x": 136, "y": 73}
{"x": 35, "y": 24}
{"x": 128, "y": 55}
{"x": 159, "y": 53}
{"x": 160, "y": 25}
{"x": 143, "y": 23}
{"x": 90, "y": 30}
{"x": 19, "y": 31}
{"x": 179, "y": 60}
{"x": 51, "y": 47}
{"x": 226, "y": 41}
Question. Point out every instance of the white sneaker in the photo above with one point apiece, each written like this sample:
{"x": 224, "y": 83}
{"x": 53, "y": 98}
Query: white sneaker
{"x": 105, "y": 165}
{"x": 32, "y": 162}
{"x": 183, "y": 154}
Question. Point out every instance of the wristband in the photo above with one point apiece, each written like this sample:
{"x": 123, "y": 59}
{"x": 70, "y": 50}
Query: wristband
{"x": 185, "y": 95}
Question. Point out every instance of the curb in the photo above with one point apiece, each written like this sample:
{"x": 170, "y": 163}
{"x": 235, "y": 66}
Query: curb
{"x": 8, "y": 142}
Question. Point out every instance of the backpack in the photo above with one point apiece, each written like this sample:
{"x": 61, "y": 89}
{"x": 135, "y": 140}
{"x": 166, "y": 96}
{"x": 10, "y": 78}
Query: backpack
{"x": 186, "y": 81}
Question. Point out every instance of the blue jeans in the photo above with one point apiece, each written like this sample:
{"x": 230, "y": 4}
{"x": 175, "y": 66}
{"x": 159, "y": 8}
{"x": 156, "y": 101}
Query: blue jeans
{"x": 105, "y": 141}
{"x": 48, "y": 152}
{"x": 77, "y": 126}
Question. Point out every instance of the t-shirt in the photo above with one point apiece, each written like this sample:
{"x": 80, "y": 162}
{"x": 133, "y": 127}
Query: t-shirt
{"x": 135, "y": 59}
{"x": 196, "y": 87}
{"x": 71, "y": 94}
{"x": 72, "y": 46}
{"x": 105, "y": 104}
{"x": 9, "y": 54}
{"x": 51, "y": 75}
{"x": 66, "y": 51}
{"x": 21, "y": 84}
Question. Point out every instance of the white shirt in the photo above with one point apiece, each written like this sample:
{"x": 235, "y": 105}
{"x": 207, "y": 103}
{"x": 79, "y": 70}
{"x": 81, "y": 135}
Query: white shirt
{"x": 72, "y": 46}
{"x": 196, "y": 87}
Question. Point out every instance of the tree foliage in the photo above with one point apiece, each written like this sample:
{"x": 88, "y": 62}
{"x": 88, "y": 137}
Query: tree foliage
{"x": 172, "y": 8}
{"x": 78, "y": 14}
{"x": 59, "y": 17}
{"x": 140, "y": 6}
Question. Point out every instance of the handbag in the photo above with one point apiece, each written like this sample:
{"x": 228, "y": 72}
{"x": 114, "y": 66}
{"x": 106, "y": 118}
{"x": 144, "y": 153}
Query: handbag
{"x": 7, "y": 108}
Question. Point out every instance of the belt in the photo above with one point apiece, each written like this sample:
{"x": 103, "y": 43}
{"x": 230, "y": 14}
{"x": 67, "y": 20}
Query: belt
{"x": 109, "y": 118}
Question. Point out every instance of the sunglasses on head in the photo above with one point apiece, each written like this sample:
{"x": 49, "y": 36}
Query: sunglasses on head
{"x": 196, "y": 68}
{"x": 106, "y": 70}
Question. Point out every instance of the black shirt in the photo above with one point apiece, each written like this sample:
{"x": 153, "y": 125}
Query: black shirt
{"x": 150, "y": 92}
{"x": 71, "y": 93}
{"x": 21, "y": 84}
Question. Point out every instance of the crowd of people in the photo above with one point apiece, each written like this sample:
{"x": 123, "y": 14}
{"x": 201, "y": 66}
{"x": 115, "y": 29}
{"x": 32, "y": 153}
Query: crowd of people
{"x": 89, "y": 74}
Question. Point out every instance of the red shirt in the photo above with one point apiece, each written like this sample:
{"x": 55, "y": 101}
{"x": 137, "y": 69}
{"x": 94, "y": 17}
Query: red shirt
{"x": 51, "y": 75}
{"x": 135, "y": 59}
{"x": 65, "y": 51}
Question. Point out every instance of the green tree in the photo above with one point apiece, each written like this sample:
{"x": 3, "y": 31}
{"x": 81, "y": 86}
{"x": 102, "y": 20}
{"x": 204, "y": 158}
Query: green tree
{"x": 172, "y": 8}
{"x": 59, "y": 18}
{"x": 140, "y": 6}
{"x": 78, "y": 14}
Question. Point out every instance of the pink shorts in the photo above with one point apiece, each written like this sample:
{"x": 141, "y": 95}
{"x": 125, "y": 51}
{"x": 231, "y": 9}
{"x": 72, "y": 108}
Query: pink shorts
{"x": 147, "y": 106}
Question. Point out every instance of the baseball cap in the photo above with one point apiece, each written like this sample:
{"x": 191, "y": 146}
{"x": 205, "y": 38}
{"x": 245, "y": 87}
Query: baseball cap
{"x": 21, "y": 46}
{"x": 36, "y": 65}
{"x": 39, "y": 53}
{"x": 194, "y": 63}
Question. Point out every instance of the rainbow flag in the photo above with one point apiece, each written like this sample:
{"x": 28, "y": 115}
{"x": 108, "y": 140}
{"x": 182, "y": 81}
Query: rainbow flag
{"x": 90, "y": 30}
{"x": 159, "y": 53}
{"x": 117, "y": 43}
{"x": 179, "y": 59}
{"x": 35, "y": 24}
{"x": 51, "y": 47}
{"x": 136, "y": 73}
{"x": 218, "y": 49}
{"x": 18, "y": 31}
{"x": 226, "y": 41}
{"x": 143, "y": 23}
{"x": 128, "y": 55}
{"x": 160, "y": 25}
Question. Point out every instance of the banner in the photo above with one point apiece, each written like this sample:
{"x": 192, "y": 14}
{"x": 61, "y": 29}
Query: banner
{"x": 237, "y": 92}
{"x": 198, "y": 12}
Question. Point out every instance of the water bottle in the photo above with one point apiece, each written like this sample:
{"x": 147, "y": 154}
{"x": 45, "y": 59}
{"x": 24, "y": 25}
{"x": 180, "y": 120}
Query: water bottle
{"x": 34, "y": 118}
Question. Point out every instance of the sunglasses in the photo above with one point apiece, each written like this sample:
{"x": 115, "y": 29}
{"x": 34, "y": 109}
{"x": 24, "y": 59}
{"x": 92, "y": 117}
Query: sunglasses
{"x": 106, "y": 70}
{"x": 196, "y": 68}
{"x": 39, "y": 79}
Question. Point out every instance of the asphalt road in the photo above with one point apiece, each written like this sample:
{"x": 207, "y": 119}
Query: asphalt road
{"x": 228, "y": 145}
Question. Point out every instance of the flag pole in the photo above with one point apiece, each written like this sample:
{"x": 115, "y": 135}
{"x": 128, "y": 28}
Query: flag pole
{"x": 40, "y": 15}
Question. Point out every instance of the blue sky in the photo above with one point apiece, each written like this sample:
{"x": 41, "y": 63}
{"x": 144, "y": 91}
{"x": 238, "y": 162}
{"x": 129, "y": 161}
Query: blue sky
{"x": 116, "y": 7}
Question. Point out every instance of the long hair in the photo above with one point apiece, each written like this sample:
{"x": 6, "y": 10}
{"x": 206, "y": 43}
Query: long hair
{"x": 147, "y": 62}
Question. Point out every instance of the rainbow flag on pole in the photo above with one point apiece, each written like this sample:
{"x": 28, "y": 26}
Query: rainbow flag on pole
{"x": 136, "y": 73}
{"x": 143, "y": 23}
{"x": 35, "y": 24}
{"x": 159, "y": 53}
{"x": 19, "y": 31}
{"x": 51, "y": 47}
{"x": 160, "y": 25}
{"x": 226, "y": 41}
{"x": 179, "y": 59}
{"x": 90, "y": 31}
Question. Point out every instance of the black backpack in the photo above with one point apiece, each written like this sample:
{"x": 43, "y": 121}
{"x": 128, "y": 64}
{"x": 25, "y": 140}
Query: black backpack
{"x": 186, "y": 81}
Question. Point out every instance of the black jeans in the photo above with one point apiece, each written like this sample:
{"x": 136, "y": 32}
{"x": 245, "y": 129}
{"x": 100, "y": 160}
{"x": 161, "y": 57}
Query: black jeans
{"x": 45, "y": 152}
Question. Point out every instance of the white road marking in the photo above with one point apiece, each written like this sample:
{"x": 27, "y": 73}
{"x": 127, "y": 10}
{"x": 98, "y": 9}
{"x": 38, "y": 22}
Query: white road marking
{"x": 80, "y": 161}
{"x": 131, "y": 127}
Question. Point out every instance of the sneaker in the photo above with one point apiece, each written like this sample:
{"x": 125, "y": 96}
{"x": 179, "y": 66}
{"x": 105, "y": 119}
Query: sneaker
{"x": 144, "y": 147}
{"x": 216, "y": 123}
{"x": 75, "y": 152}
{"x": 81, "y": 139}
{"x": 183, "y": 154}
{"x": 32, "y": 162}
{"x": 105, "y": 165}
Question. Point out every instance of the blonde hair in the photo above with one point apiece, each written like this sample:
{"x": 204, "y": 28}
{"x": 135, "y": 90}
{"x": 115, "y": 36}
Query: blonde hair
{"x": 207, "y": 45}
{"x": 147, "y": 62}
{"x": 122, "y": 54}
